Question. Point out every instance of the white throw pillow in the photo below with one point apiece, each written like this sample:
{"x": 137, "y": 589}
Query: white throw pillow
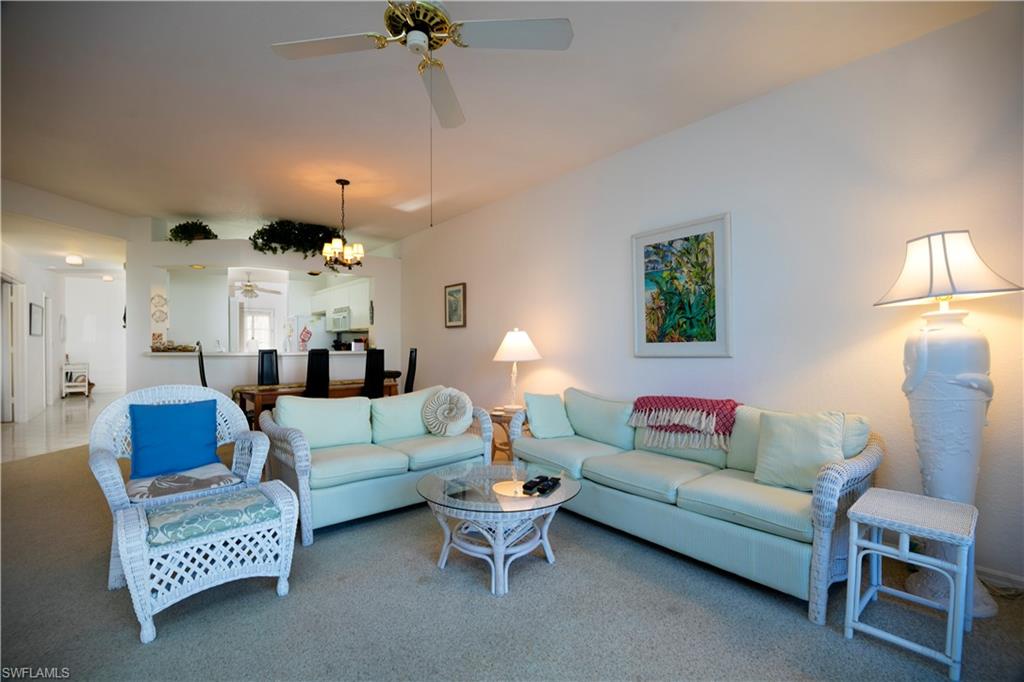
{"x": 793, "y": 447}
{"x": 448, "y": 413}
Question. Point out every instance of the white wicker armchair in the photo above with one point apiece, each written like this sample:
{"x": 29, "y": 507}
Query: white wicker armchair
{"x": 110, "y": 439}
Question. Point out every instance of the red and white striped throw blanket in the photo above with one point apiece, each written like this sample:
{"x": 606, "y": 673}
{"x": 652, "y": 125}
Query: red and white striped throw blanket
{"x": 684, "y": 422}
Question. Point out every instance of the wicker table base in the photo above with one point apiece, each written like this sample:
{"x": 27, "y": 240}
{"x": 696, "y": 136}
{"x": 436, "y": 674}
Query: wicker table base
{"x": 498, "y": 539}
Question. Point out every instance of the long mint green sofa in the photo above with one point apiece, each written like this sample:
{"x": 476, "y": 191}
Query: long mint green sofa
{"x": 352, "y": 457}
{"x": 705, "y": 503}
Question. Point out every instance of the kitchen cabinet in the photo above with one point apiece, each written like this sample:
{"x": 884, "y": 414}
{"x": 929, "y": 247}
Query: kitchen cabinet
{"x": 354, "y": 295}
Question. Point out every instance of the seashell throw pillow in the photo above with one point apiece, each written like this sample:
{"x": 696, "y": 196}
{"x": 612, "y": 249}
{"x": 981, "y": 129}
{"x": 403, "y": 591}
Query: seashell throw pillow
{"x": 448, "y": 413}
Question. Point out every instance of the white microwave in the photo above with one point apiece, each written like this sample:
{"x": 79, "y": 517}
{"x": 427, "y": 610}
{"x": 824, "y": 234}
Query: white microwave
{"x": 339, "y": 320}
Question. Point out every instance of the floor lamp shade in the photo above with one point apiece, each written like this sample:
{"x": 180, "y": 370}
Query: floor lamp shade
{"x": 516, "y": 347}
{"x": 944, "y": 265}
{"x": 947, "y": 380}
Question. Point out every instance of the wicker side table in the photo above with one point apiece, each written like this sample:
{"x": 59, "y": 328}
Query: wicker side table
{"x": 923, "y": 517}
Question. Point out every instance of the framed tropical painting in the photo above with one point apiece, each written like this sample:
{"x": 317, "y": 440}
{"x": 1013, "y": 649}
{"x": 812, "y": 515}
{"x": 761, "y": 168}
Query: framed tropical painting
{"x": 455, "y": 305}
{"x": 681, "y": 290}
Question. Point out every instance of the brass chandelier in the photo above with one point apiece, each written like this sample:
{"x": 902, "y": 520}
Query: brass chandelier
{"x": 338, "y": 252}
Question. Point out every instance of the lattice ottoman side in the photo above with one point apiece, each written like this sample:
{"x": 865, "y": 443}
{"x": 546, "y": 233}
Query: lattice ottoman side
{"x": 162, "y": 575}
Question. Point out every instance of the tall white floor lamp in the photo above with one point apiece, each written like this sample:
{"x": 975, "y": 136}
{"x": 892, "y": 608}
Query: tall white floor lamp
{"x": 947, "y": 378}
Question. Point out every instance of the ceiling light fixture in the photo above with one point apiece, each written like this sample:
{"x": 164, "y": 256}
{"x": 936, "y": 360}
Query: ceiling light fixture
{"x": 197, "y": 266}
{"x": 107, "y": 278}
{"x": 72, "y": 259}
{"x": 339, "y": 251}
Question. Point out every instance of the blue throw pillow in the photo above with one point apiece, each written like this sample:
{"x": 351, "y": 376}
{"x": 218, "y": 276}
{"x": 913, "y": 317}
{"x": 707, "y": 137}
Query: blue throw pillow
{"x": 170, "y": 438}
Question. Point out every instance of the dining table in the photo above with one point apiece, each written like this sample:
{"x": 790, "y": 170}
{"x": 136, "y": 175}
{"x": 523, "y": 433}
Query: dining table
{"x": 265, "y": 397}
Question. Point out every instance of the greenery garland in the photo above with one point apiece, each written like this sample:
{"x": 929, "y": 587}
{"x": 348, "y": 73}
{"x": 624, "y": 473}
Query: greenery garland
{"x": 190, "y": 231}
{"x": 280, "y": 236}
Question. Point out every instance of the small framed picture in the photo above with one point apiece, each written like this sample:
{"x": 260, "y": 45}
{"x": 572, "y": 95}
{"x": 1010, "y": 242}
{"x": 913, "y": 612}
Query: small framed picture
{"x": 35, "y": 319}
{"x": 455, "y": 305}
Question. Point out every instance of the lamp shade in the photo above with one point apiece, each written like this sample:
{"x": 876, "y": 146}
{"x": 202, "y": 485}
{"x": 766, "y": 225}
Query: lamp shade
{"x": 944, "y": 264}
{"x": 516, "y": 347}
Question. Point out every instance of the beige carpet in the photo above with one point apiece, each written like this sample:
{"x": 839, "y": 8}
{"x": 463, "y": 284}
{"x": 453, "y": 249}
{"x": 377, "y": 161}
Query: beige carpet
{"x": 367, "y": 602}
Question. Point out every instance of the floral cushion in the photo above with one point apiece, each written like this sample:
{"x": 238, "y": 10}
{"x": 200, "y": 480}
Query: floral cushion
{"x": 201, "y": 478}
{"x": 206, "y": 515}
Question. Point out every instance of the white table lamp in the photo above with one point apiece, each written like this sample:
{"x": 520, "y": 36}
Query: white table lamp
{"x": 947, "y": 377}
{"x": 516, "y": 347}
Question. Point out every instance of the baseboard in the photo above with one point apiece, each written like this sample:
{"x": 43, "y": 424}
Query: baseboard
{"x": 1000, "y": 578}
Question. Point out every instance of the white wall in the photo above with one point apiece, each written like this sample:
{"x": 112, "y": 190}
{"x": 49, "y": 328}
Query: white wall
{"x": 825, "y": 181}
{"x": 94, "y": 333}
{"x": 197, "y": 305}
{"x": 38, "y": 360}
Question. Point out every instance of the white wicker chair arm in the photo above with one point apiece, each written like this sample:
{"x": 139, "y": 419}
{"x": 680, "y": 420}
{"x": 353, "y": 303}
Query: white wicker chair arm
{"x": 103, "y": 464}
{"x": 838, "y": 477}
{"x": 515, "y": 426}
{"x": 486, "y": 431}
{"x": 251, "y": 448}
{"x": 289, "y": 446}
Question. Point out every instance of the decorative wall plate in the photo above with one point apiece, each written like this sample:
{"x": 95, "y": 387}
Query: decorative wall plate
{"x": 158, "y": 301}
{"x": 159, "y": 315}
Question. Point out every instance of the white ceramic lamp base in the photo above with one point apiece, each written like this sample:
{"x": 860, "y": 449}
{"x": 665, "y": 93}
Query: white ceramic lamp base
{"x": 948, "y": 388}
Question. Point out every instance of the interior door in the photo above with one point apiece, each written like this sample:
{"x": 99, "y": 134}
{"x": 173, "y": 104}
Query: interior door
{"x": 7, "y": 357}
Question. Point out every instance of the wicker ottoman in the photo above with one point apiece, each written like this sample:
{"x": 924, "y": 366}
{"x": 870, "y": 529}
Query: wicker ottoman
{"x": 172, "y": 551}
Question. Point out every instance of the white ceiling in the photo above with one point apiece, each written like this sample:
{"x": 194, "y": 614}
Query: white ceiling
{"x": 169, "y": 109}
{"x": 47, "y": 244}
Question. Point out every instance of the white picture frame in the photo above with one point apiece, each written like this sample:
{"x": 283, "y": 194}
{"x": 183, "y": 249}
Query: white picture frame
{"x": 658, "y": 247}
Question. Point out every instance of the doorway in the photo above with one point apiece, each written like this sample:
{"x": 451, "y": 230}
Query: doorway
{"x": 7, "y": 357}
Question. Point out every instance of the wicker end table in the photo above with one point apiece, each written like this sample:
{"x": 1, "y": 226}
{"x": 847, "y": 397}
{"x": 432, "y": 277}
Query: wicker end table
{"x": 919, "y": 516}
{"x": 497, "y": 527}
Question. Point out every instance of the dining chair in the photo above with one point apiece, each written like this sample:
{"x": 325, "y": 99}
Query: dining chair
{"x": 410, "y": 372}
{"x": 202, "y": 365}
{"x": 373, "y": 381}
{"x": 318, "y": 374}
{"x": 267, "y": 372}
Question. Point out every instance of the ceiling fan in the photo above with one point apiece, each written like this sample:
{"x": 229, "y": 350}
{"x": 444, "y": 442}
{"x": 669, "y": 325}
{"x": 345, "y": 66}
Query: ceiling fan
{"x": 425, "y": 26}
{"x": 249, "y": 289}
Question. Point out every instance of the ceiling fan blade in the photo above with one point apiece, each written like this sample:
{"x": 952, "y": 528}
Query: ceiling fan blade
{"x": 266, "y": 291}
{"x": 322, "y": 47}
{"x": 514, "y": 34}
{"x": 441, "y": 93}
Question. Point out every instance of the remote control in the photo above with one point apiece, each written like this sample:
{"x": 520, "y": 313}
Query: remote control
{"x": 548, "y": 486}
{"x": 532, "y": 484}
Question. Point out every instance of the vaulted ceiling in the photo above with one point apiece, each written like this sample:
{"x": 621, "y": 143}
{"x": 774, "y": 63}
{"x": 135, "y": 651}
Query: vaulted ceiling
{"x": 181, "y": 109}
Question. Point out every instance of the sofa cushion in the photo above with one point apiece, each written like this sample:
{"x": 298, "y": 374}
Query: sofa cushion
{"x": 400, "y": 416}
{"x": 600, "y": 419}
{"x": 326, "y": 422}
{"x": 793, "y": 447}
{"x": 425, "y": 452}
{"x": 561, "y": 454}
{"x": 347, "y": 463}
{"x": 713, "y": 456}
{"x": 746, "y": 432}
{"x": 547, "y": 416}
{"x": 734, "y": 496}
{"x": 644, "y": 473}
{"x": 448, "y": 413}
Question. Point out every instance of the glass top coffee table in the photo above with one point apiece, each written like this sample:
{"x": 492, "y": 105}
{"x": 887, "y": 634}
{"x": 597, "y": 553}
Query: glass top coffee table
{"x": 493, "y": 519}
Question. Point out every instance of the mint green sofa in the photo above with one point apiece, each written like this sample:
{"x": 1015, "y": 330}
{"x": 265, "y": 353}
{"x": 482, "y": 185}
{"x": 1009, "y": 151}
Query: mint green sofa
{"x": 352, "y": 457}
{"x": 705, "y": 503}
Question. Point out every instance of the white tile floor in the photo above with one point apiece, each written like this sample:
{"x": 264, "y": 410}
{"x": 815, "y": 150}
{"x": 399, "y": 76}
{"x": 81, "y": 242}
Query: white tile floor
{"x": 65, "y": 424}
